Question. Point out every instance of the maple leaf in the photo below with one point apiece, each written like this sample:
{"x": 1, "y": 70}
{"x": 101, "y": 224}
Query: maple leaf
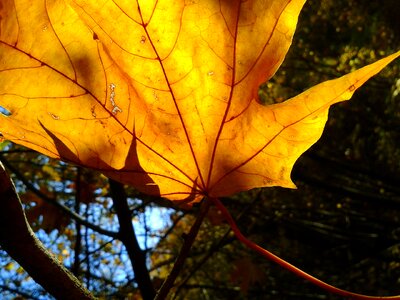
{"x": 158, "y": 95}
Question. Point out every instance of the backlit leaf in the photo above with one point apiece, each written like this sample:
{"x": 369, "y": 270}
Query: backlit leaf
{"x": 159, "y": 94}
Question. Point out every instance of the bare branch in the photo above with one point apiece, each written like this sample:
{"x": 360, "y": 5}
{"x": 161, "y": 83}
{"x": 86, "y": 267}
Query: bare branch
{"x": 128, "y": 238}
{"x": 19, "y": 241}
{"x": 79, "y": 219}
{"x": 189, "y": 240}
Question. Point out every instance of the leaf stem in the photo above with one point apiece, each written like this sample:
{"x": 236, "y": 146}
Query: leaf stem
{"x": 288, "y": 266}
{"x": 189, "y": 240}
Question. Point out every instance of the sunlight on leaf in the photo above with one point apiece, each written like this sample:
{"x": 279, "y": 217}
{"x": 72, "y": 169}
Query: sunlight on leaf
{"x": 160, "y": 96}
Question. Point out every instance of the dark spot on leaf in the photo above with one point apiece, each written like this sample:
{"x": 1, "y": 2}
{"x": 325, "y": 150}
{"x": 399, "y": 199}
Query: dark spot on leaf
{"x": 95, "y": 36}
{"x": 352, "y": 88}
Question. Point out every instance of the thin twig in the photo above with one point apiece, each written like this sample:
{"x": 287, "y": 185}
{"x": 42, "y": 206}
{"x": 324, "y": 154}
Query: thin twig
{"x": 76, "y": 266}
{"x": 52, "y": 201}
{"x": 224, "y": 240}
{"x": 25, "y": 295}
{"x": 189, "y": 240}
{"x": 288, "y": 266}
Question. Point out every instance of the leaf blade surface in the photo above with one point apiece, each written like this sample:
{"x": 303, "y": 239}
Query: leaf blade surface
{"x": 161, "y": 96}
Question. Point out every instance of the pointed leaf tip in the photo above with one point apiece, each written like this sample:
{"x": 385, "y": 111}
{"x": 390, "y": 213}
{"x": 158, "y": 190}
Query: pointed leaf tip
{"x": 169, "y": 109}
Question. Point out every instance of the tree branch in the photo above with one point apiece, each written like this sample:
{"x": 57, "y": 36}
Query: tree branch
{"x": 189, "y": 240}
{"x": 128, "y": 238}
{"x": 302, "y": 274}
{"x": 76, "y": 266}
{"x": 18, "y": 239}
{"x": 52, "y": 201}
{"x": 24, "y": 294}
{"x": 223, "y": 241}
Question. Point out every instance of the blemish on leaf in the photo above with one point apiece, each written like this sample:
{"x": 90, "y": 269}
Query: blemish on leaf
{"x": 44, "y": 28}
{"x": 92, "y": 110}
{"x": 267, "y": 182}
{"x": 352, "y": 88}
{"x": 142, "y": 39}
{"x": 95, "y": 36}
{"x": 55, "y": 117}
{"x": 155, "y": 95}
{"x": 210, "y": 73}
{"x": 115, "y": 109}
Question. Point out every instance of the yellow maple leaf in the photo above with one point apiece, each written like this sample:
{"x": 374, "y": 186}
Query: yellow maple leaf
{"x": 161, "y": 95}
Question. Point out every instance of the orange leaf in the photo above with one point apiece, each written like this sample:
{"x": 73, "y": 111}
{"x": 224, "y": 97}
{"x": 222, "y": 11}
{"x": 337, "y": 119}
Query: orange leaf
{"x": 161, "y": 96}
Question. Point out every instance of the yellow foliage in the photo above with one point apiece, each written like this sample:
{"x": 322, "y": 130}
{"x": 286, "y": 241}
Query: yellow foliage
{"x": 161, "y": 96}
{"x": 53, "y": 173}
